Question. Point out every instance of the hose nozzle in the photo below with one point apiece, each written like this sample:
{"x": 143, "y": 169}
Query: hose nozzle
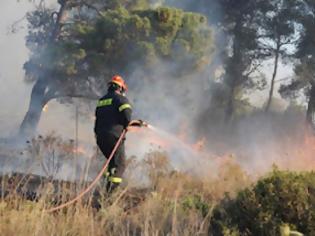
{"x": 138, "y": 123}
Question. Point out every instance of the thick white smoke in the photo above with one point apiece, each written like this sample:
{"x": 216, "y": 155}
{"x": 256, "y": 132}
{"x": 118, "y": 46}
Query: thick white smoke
{"x": 14, "y": 94}
{"x": 173, "y": 104}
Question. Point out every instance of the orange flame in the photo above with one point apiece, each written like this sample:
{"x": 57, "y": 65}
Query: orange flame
{"x": 45, "y": 108}
{"x": 200, "y": 144}
{"x": 80, "y": 150}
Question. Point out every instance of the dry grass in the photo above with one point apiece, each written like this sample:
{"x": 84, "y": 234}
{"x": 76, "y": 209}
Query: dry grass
{"x": 173, "y": 203}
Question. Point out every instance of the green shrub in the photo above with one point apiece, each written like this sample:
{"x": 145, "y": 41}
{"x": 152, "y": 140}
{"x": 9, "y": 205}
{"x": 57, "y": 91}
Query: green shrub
{"x": 196, "y": 202}
{"x": 281, "y": 198}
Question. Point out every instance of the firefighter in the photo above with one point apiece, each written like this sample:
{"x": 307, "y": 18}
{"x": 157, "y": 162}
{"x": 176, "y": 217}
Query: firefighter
{"x": 113, "y": 115}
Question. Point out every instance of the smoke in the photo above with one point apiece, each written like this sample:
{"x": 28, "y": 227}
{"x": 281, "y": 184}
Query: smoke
{"x": 14, "y": 94}
{"x": 261, "y": 140}
{"x": 173, "y": 104}
{"x": 256, "y": 141}
{"x": 169, "y": 102}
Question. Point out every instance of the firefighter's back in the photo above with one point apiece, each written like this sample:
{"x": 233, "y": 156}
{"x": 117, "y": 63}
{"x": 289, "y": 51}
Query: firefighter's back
{"x": 109, "y": 116}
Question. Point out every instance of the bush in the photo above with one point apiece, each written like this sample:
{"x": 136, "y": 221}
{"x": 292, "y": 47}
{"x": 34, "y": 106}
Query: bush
{"x": 281, "y": 198}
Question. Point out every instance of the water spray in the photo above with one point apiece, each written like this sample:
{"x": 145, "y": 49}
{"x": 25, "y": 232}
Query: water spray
{"x": 134, "y": 123}
{"x": 171, "y": 137}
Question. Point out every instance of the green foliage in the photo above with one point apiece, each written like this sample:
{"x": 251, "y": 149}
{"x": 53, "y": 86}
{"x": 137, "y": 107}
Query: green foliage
{"x": 126, "y": 38}
{"x": 118, "y": 39}
{"x": 196, "y": 202}
{"x": 281, "y": 198}
{"x": 304, "y": 65}
{"x": 131, "y": 5}
{"x": 40, "y": 24}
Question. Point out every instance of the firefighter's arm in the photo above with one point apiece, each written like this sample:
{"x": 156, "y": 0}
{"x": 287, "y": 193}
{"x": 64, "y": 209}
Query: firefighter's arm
{"x": 125, "y": 110}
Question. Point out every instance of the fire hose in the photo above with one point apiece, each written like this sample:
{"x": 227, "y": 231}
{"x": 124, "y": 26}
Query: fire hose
{"x": 100, "y": 174}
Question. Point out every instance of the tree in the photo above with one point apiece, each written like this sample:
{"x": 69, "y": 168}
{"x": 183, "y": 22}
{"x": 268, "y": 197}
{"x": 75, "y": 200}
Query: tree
{"x": 71, "y": 55}
{"x": 278, "y": 34}
{"x": 239, "y": 50}
{"x": 44, "y": 32}
{"x": 304, "y": 79}
{"x": 262, "y": 30}
{"x": 243, "y": 55}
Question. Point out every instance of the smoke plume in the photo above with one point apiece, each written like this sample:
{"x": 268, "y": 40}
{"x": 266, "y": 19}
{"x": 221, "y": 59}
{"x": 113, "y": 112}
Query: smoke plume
{"x": 174, "y": 105}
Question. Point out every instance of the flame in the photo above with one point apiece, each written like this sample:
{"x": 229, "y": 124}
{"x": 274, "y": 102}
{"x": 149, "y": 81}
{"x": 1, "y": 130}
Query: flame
{"x": 45, "y": 108}
{"x": 184, "y": 136}
{"x": 200, "y": 144}
{"x": 80, "y": 150}
{"x": 302, "y": 155}
{"x": 75, "y": 150}
{"x": 288, "y": 151}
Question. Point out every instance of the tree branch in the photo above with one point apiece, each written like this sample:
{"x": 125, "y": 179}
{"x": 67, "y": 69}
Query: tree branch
{"x": 283, "y": 79}
{"x": 13, "y": 28}
{"x": 254, "y": 68}
{"x": 73, "y": 95}
{"x": 59, "y": 21}
{"x": 88, "y": 5}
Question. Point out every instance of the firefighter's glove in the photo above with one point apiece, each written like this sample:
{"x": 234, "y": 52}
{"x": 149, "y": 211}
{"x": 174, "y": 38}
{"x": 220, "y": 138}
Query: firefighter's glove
{"x": 138, "y": 123}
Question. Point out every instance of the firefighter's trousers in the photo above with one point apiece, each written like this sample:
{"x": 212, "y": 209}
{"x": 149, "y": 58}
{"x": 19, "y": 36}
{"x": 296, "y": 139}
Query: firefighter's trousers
{"x": 117, "y": 165}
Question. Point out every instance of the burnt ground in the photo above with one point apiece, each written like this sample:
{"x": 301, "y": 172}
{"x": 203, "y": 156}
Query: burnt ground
{"x": 34, "y": 187}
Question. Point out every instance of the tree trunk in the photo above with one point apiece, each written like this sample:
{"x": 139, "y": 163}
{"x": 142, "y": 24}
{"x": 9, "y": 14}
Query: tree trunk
{"x": 38, "y": 95}
{"x": 230, "y": 106}
{"x": 234, "y": 73}
{"x": 37, "y": 102}
{"x": 311, "y": 107}
{"x": 274, "y": 75}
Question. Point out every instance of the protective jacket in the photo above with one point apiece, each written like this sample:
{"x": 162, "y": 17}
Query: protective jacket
{"x": 113, "y": 114}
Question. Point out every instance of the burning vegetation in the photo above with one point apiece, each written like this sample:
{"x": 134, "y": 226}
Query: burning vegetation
{"x": 162, "y": 196}
{"x": 167, "y": 200}
{"x": 214, "y": 163}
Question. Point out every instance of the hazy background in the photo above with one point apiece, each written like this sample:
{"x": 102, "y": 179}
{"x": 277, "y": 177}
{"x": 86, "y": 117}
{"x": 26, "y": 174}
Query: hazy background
{"x": 15, "y": 95}
{"x": 14, "y": 92}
